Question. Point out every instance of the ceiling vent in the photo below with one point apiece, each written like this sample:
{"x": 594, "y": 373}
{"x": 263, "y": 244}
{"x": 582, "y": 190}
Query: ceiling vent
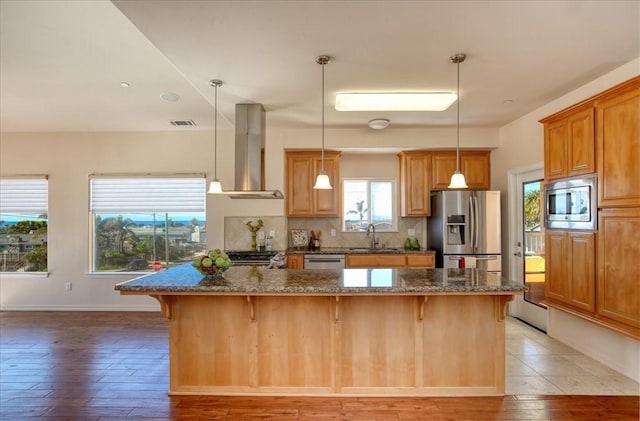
{"x": 182, "y": 123}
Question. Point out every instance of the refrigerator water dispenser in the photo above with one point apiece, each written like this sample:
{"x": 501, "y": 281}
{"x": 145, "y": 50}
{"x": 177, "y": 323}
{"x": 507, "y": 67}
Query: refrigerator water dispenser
{"x": 455, "y": 229}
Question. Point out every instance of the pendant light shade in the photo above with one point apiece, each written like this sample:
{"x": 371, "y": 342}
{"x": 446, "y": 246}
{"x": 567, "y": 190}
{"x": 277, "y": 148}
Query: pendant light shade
{"x": 322, "y": 181}
{"x": 457, "y": 179}
{"x": 215, "y": 187}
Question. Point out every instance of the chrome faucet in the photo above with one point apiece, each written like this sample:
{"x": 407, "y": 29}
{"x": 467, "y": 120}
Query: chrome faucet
{"x": 374, "y": 241}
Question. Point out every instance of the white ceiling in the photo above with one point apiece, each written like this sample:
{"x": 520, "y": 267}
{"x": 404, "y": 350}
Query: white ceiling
{"x": 62, "y": 61}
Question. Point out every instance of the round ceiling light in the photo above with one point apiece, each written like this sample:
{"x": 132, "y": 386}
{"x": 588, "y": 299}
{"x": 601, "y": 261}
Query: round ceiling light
{"x": 379, "y": 123}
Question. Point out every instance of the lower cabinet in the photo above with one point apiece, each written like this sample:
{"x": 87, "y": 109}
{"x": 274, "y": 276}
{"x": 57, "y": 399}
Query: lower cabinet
{"x": 570, "y": 269}
{"x": 606, "y": 293}
{"x": 376, "y": 260}
{"x": 295, "y": 261}
{"x": 619, "y": 268}
{"x": 413, "y": 260}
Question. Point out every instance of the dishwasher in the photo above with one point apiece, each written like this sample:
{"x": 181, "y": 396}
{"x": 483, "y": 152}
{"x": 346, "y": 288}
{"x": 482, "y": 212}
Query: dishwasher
{"x": 324, "y": 261}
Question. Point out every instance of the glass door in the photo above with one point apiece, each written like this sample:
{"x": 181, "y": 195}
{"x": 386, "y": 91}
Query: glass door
{"x": 528, "y": 258}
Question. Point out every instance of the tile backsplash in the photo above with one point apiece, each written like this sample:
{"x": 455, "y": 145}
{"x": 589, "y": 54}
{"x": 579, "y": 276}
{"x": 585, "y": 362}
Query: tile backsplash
{"x": 237, "y": 235}
{"x": 359, "y": 239}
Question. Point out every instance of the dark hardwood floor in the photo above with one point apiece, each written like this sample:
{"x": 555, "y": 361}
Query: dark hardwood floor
{"x": 114, "y": 366}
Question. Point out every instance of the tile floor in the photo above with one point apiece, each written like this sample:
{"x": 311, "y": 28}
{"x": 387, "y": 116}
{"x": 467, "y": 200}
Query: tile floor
{"x": 538, "y": 364}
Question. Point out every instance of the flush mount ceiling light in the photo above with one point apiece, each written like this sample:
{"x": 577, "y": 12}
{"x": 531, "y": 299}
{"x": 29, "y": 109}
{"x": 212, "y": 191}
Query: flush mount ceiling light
{"x": 395, "y": 101}
{"x": 170, "y": 96}
{"x": 457, "y": 179}
{"x": 215, "y": 187}
{"x": 379, "y": 123}
{"x": 322, "y": 181}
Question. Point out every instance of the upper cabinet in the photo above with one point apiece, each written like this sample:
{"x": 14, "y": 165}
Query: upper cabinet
{"x": 569, "y": 145}
{"x": 302, "y": 170}
{"x": 415, "y": 175}
{"x": 618, "y": 134}
{"x": 475, "y": 165}
{"x": 424, "y": 171}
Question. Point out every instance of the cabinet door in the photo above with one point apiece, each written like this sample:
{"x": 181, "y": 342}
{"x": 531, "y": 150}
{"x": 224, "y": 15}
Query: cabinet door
{"x": 618, "y": 257}
{"x": 556, "y": 284}
{"x": 421, "y": 260}
{"x": 555, "y": 147}
{"x": 476, "y": 167}
{"x": 295, "y": 261}
{"x": 618, "y": 123}
{"x": 299, "y": 188}
{"x": 415, "y": 173}
{"x": 376, "y": 261}
{"x": 302, "y": 170}
{"x": 443, "y": 165}
{"x": 581, "y": 143}
{"x": 326, "y": 202}
{"x": 581, "y": 270}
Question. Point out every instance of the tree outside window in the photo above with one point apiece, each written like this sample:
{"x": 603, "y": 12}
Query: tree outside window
{"x": 369, "y": 201}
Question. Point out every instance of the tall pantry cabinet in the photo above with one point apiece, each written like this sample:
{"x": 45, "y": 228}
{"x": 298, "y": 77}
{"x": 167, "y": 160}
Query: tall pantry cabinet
{"x": 596, "y": 276}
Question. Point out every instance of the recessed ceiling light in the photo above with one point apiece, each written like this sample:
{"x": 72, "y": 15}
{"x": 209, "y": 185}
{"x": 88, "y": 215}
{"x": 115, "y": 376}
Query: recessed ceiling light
{"x": 395, "y": 101}
{"x": 379, "y": 123}
{"x": 170, "y": 96}
{"x": 124, "y": 84}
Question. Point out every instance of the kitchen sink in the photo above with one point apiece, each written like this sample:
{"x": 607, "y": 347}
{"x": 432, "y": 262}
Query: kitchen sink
{"x": 376, "y": 250}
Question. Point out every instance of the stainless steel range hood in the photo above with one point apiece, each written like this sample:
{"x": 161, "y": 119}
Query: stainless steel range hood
{"x": 249, "y": 166}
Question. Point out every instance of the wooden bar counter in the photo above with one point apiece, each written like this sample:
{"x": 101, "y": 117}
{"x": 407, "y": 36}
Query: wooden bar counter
{"x": 359, "y": 332}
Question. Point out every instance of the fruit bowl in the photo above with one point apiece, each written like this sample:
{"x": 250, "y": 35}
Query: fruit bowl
{"x": 212, "y": 264}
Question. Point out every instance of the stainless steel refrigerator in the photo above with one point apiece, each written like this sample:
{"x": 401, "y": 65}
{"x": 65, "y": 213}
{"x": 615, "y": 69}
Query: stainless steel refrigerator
{"x": 464, "y": 229}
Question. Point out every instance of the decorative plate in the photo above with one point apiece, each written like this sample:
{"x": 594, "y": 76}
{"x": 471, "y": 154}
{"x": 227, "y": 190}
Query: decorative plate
{"x": 299, "y": 238}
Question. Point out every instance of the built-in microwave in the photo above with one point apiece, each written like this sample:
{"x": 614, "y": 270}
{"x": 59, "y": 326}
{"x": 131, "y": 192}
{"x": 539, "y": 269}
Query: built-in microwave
{"x": 571, "y": 203}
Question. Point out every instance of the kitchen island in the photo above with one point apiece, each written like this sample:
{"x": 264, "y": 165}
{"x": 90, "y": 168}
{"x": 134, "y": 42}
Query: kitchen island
{"x": 363, "y": 332}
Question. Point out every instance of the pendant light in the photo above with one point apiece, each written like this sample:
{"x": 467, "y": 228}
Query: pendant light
{"x": 322, "y": 181}
{"x": 457, "y": 179}
{"x": 215, "y": 187}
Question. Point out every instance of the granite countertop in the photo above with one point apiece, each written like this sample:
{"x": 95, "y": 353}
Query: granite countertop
{"x": 255, "y": 280}
{"x": 357, "y": 250}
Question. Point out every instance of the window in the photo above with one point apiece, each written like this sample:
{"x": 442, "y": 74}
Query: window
{"x": 370, "y": 201}
{"x": 23, "y": 224}
{"x": 138, "y": 221}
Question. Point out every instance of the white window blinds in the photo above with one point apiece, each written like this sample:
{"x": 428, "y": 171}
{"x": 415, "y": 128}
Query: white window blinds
{"x": 147, "y": 194}
{"x": 24, "y": 196}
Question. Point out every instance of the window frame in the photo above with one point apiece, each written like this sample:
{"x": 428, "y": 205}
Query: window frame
{"x": 138, "y": 204}
{"x": 28, "y": 197}
{"x": 369, "y": 181}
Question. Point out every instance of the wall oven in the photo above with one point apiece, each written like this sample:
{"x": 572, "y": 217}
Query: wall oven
{"x": 571, "y": 203}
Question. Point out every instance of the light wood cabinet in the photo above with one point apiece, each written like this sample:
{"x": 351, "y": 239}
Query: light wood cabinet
{"x": 295, "y": 261}
{"x": 381, "y": 260}
{"x": 618, "y": 269}
{"x": 421, "y": 260}
{"x": 475, "y": 165}
{"x": 569, "y": 145}
{"x": 618, "y": 140}
{"x": 415, "y": 176}
{"x": 570, "y": 269}
{"x": 602, "y": 134}
{"x": 302, "y": 170}
{"x": 424, "y": 171}
{"x": 376, "y": 260}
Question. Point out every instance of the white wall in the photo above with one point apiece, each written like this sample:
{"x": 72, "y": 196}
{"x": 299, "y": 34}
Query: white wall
{"x": 69, "y": 158}
{"x": 521, "y": 145}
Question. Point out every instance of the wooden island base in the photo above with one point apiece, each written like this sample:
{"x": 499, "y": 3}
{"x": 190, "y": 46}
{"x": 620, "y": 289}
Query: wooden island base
{"x": 358, "y": 345}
